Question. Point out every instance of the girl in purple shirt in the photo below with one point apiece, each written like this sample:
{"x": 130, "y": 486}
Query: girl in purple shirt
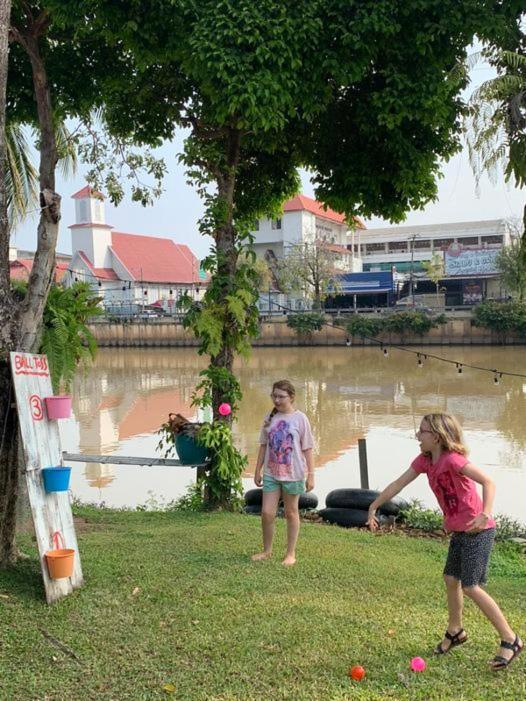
{"x": 468, "y": 517}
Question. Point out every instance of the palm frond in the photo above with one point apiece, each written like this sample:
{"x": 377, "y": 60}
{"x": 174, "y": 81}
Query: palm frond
{"x": 21, "y": 175}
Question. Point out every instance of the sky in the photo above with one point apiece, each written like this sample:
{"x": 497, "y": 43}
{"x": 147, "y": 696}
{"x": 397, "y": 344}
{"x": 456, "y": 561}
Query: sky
{"x": 176, "y": 213}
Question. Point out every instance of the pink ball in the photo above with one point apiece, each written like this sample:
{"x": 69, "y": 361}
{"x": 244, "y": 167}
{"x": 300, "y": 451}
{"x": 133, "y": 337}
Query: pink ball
{"x": 418, "y": 664}
{"x": 225, "y": 409}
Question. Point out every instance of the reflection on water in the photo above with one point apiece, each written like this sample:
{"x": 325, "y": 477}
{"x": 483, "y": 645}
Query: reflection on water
{"x": 348, "y": 393}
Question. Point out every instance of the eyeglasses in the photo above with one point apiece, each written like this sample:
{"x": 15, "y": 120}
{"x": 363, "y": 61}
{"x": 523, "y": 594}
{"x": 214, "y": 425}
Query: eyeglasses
{"x": 279, "y": 396}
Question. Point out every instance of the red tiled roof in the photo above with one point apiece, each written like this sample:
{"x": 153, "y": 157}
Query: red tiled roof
{"x": 87, "y": 191}
{"x": 302, "y": 202}
{"x": 333, "y": 247}
{"x": 101, "y": 273}
{"x": 153, "y": 259}
{"x": 20, "y": 269}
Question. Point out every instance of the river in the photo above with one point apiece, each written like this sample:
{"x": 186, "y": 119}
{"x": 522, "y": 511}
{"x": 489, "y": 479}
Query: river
{"x": 348, "y": 393}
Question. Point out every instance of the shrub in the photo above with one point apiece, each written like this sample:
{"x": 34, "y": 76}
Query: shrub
{"x": 413, "y": 322}
{"x": 363, "y": 326}
{"x": 305, "y": 324}
{"x": 415, "y": 516}
{"x": 501, "y": 317}
{"x": 508, "y": 528}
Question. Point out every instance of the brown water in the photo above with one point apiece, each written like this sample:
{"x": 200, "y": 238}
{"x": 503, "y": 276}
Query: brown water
{"x": 348, "y": 393}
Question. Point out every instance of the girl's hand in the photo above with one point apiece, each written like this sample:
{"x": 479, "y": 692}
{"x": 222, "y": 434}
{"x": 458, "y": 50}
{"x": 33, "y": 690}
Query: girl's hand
{"x": 479, "y": 523}
{"x": 372, "y": 521}
{"x": 309, "y": 484}
{"x": 258, "y": 478}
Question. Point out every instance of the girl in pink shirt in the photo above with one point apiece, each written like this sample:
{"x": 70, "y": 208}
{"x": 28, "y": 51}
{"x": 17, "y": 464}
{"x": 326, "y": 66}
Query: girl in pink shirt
{"x": 468, "y": 517}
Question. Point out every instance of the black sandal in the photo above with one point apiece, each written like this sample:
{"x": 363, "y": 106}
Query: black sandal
{"x": 454, "y": 641}
{"x": 500, "y": 662}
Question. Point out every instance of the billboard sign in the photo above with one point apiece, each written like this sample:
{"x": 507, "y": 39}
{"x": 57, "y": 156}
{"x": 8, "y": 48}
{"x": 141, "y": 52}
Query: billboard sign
{"x": 459, "y": 263}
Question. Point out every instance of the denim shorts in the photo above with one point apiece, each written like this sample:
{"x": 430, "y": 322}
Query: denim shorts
{"x": 468, "y": 557}
{"x": 271, "y": 485}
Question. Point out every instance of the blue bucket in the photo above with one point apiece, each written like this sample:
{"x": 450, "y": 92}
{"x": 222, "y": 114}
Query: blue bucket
{"x": 56, "y": 479}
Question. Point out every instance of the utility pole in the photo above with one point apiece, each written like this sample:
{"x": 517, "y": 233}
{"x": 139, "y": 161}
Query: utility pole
{"x": 411, "y": 273}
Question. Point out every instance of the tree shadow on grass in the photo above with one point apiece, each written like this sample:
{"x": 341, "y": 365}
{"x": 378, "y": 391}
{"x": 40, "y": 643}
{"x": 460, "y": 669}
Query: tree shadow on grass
{"x": 23, "y": 581}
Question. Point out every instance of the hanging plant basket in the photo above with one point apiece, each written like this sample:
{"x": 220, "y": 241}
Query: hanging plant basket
{"x": 58, "y": 407}
{"x": 56, "y": 479}
{"x": 60, "y": 560}
{"x": 185, "y": 432}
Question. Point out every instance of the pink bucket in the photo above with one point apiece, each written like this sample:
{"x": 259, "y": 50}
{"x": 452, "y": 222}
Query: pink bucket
{"x": 58, "y": 407}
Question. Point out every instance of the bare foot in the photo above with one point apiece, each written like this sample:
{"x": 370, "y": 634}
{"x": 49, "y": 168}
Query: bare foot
{"x": 261, "y": 556}
{"x": 289, "y": 561}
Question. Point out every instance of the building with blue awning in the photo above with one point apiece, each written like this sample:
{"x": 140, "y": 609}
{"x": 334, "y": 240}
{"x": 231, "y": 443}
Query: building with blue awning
{"x": 374, "y": 289}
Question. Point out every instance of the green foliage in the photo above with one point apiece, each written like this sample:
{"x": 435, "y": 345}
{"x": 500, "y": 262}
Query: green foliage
{"x": 434, "y": 268}
{"x": 364, "y": 326}
{"x": 66, "y": 339}
{"x": 305, "y": 324}
{"x": 308, "y": 268}
{"x": 507, "y": 527}
{"x": 412, "y": 322}
{"x": 415, "y": 516}
{"x": 511, "y": 264}
{"x": 192, "y": 500}
{"x": 225, "y": 479}
{"x": 501, "y": 317}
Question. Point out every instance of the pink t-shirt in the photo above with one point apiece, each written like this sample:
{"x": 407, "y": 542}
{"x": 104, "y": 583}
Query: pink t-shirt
{"x": 456, "y": 493}
{"x": 286, "y": 437}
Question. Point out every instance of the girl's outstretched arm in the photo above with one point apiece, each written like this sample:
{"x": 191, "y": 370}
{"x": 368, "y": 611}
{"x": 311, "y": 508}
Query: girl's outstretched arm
{"x": 388, "y": 493}
{"x": 488, "y": 495}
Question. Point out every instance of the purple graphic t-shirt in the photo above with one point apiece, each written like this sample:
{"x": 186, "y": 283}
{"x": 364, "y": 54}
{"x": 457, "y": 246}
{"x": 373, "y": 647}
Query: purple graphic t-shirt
{"x": 286, "y": 437}
{"x": 456, "y": 493}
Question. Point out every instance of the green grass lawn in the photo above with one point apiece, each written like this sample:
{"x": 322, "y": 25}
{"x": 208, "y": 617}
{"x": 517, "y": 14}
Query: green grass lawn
{"x": 173, "y": 599}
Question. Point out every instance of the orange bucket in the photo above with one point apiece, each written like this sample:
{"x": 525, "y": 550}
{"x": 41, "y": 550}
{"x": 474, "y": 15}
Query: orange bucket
{"x": 59, "y": 561}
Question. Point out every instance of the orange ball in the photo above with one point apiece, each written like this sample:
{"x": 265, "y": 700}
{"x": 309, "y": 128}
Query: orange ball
{"x": 357, "y": 673}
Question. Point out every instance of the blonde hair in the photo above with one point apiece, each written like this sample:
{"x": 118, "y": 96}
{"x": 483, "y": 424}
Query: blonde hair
{"x": 284, "y": 386}
{"x": 448, "y": 429}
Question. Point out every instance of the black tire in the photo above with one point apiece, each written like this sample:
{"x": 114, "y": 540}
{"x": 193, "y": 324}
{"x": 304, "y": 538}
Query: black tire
{"x": 254, "y": 497}
{"x": 348, "y": 518}
{"x": 253, "y": 509}
{"x": 308, "y": 501}
{"x": 362, "y": 499}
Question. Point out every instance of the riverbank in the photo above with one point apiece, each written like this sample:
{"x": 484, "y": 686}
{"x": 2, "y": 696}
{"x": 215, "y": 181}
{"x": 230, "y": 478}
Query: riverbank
{"x": 174, "y": 608}
{"x": 458, "y": 330}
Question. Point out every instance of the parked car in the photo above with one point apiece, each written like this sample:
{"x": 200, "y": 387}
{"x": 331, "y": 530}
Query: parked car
{"x": 411, "y": 304}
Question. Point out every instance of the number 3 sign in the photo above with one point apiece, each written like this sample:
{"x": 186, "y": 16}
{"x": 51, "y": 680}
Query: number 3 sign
{"x": 35, "y": 403}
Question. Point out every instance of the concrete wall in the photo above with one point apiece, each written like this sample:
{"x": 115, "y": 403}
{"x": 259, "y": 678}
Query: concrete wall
{"x": 457, "y": 331}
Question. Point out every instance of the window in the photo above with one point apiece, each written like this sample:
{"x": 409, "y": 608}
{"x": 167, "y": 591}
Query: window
{"x": 374, "y": 247}
{"x": 469, "y": 241}
{"x": 397, "y": 246}
{"x": 491, "y": 239}
{"x": 422, "y": 243}
{"x": 442, "y": 243}
{"x": 276, "y": 223}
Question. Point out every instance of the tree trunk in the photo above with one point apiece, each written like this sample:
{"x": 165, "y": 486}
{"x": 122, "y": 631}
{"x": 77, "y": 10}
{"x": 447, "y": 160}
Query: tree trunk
{"x": 22, "y": 332}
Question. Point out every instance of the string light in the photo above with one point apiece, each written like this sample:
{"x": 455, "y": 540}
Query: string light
{"x": 419, "y": 361}
{"x": 348, "y": 342}
{"x": 498, "y": 374}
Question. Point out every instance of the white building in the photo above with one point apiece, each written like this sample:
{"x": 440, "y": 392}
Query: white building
{"x": 468, "y": 249}
{"x": 128, "y": 269}
{"x": 306, "y": 221}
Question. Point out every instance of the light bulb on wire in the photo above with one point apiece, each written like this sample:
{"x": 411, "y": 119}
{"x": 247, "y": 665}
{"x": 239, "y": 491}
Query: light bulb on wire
{"x": 386, "y": 353}
{"x": 459, "y": 368}
{"x": 419, "y": 362}
{"x": 497, "y": 377}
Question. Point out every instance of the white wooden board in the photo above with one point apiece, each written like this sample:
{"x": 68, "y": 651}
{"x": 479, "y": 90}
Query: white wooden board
{"x": 41, "y": 445}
